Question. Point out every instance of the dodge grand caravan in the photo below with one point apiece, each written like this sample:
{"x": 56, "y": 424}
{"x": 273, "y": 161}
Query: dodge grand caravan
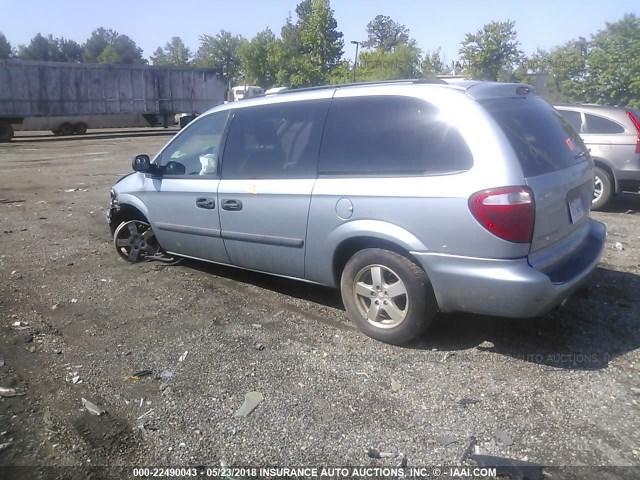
{"x": 412, "y": 197}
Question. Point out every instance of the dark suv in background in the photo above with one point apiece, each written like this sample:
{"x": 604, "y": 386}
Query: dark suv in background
{"x": 613, "y": 136}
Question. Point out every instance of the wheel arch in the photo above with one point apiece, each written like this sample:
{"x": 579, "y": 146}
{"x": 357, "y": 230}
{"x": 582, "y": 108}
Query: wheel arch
{"x": 598, "y": 162}
{"x": 127, "y": 211}
{"x": 349, "y": 246}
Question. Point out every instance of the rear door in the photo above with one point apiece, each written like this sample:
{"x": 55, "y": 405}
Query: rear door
{"x": 268, "y": 173}
{"x": 556, "y": 166}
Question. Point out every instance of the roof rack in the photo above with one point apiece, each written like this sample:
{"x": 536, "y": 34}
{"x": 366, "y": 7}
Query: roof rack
{"x": 360, "y": 84}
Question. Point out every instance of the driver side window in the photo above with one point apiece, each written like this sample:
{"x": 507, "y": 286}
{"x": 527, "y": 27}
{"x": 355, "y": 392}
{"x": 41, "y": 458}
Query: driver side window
{"x": 197, "y": 148}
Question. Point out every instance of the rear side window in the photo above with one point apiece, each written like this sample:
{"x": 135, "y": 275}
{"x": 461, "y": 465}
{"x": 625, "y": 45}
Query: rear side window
{"x": 385, "y": 135}
{"x": 275, "y": 141}
{"x": 574, "y": 119}
{"x": 600, "y": 125}
{"x": 543, "y": 141}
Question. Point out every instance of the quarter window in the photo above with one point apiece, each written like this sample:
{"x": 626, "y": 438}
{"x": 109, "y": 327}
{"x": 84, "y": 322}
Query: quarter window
{"x": 388, "y": 135}
{"x": 197, "y": 148}
{"x": 574, "y": 119}
{"x": 599, "y": 125}
{"x": 275, "y": 141}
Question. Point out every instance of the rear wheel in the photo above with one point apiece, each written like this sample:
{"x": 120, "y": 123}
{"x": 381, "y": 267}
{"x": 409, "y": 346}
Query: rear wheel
{"x": 80, "y": 128}
{"x": 6, "y": 131}
{"x": 65, "y": 129}
{"x": 602, "y": 189}
{"x": 387, "y": 296}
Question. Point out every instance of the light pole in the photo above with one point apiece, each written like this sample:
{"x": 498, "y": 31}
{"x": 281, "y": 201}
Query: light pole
{"x": 355, "y": 63}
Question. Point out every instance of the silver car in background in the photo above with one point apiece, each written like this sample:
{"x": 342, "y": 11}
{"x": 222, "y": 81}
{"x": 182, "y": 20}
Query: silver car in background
{"x": 613, "y": 136}
{"x": 412, "y": 197}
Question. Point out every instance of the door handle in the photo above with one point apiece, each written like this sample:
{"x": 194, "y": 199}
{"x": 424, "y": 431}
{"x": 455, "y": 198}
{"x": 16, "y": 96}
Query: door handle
{"x": 205, "y": 202}
{"x": 231, "y": 205}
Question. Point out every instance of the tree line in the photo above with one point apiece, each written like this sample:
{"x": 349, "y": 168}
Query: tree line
{"x": 309, "y": 51}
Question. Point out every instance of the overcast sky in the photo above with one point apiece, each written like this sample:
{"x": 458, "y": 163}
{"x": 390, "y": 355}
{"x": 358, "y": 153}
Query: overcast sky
{"x": 543, "y": 23}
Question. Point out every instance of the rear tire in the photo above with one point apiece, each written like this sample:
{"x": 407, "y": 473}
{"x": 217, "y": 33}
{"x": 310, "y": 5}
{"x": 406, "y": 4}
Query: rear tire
{"x": 603, "y": 189}
{"x": 387, "y": 296}
{"x": 80, "y": 128}
{"x": 65, "y": 129}
{"x": 6, "y": 131}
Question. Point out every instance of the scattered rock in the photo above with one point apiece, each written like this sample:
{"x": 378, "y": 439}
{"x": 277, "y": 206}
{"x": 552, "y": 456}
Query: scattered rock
{"x": 395, "y": 385}
{"x": 183, "y": 356}
{"x": 503, "y": 438}
{"x": 9, "y": 392}
{"x": 618, "y": 246}
{"x": 446, "y": 440}
{"x": 164, "y": 375}
{"x": 486, "y": 345}
{"x": 468, "y": 401}
{"x": 259, "y": 346}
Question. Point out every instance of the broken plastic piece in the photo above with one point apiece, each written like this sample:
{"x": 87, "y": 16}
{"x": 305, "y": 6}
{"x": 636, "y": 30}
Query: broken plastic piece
{"x": 140, "y": 374}
{"x": 91, "y": 407}
{"x": 165, "y": 375}
{"x": 251, "y": 401}
{"x": 183, "y": 356}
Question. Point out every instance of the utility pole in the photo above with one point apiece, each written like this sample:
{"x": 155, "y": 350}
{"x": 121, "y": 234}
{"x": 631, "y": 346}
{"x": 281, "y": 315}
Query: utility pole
{"x": 355, "y": 63}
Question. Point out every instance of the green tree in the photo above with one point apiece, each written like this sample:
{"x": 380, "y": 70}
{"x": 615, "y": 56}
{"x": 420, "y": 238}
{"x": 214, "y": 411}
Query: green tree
{"x": 310, "y": 49}
{"x": 70, "y": 50}
{"x": 6, "y": 50}
{"x": 385, "y": 34}
{"x": 433, "y": 64}
{"x": 259, "y": 59}
{"x": 402, "y": 62}
{"x": 175, "y": 52}
{"x": 613, "y": 64}
{"x": 108, "y": 46}
{"x": 221, "y": 50}
{"x": 40, "y": 48}
{"x": 492, "y": 52}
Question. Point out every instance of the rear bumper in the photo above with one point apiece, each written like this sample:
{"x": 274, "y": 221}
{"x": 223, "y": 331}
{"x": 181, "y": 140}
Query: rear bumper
{"x": 510, "y": 288}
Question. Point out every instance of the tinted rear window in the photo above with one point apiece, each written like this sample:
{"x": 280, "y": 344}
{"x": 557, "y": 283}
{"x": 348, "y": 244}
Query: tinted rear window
{"x": 389, "y": 135}
{"x": 543, "y": 141}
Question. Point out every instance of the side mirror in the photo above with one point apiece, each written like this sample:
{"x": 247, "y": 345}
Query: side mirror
{"x": 142, "y": 163}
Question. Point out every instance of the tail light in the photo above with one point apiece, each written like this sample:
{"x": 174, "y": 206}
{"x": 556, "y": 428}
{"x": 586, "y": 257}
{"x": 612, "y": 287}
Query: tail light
{"x": 507, "y": 212}
{"x": 636, "y": 123}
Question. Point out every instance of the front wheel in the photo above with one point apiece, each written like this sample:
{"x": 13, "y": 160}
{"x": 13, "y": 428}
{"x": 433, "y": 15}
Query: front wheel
{"x": 602, "y": 189}
{"x": 387, "y": 296}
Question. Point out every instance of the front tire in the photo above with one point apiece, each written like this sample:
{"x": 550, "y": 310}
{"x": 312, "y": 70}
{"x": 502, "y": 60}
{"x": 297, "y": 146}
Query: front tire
{"x": 6, "y": 131}
{"x": 603, "y": 189}
{"x": 387, "y": 296}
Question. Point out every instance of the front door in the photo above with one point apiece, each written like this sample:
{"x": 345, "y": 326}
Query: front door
{"x": 182, "y": 201}
{"x": 268, "y": 173}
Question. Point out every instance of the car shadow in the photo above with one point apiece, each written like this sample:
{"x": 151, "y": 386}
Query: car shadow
{"x": 94, "y": 136}
{"x": 626, "y": 202}
{"x": 597, "y": 324}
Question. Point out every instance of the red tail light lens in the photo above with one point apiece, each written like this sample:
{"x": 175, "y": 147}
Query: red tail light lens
{"x": 636, "y": 123}
{"x": 507, "y": 212}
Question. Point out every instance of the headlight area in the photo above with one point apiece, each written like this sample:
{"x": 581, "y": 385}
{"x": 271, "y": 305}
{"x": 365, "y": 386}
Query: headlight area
{"x": 114, "y": 206}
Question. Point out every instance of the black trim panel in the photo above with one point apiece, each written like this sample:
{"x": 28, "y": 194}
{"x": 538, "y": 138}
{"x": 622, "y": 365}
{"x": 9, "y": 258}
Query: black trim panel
{"x": 266, "y": 239}
{"x": 205, "y": 232}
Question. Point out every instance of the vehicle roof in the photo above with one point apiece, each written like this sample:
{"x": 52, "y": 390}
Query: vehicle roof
{"x": 477, "y": 90}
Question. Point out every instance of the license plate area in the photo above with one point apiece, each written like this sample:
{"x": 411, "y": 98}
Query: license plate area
{"x": 577, "y": 211}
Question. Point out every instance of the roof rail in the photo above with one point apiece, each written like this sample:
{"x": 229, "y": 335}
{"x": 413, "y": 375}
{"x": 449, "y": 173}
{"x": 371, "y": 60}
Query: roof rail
{"x": 359, "y": 84}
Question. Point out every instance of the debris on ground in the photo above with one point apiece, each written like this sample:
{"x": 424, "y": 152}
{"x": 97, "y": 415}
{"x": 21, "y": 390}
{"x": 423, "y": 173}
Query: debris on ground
{"x": 515, "y": 469}
{"x": 486, "y": 345}
{"x": 375, "y": 453}
{"x": 6, "y": 444}
{"x": 251, "y": 401}
{"x": 445, "y": 440}
{"x": 164, "y": 375}
{"x": 9, "y": 392}
{"x": 1, "y": 362}
{"x": 503, "y": 438}
{"x": 92, "y": 407}
{"x": 256, "y": 325}
{"x": 395, "y": 385}
{"x": 468, "y": 401}
{"x": 183, "y": 356}
{"x": 259, "y": 346}
{"x": 141, "y": 374}
{"x": 618, "y": 246}
{"x": 471, "y": 444}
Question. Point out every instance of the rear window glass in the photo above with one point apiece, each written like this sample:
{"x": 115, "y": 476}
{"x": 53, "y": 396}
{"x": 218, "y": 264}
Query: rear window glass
{"x": 574, "y": 119}
{"x": 600, "y": 125}
{"x": 543, "y": 141}
{"x": 389, "y": 135}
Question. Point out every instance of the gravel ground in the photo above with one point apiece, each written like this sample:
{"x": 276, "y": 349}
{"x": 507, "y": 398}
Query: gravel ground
{"x": 78, "y": 322}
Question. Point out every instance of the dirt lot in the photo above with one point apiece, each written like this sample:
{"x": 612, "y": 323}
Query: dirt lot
{"x": 77, "y": 322}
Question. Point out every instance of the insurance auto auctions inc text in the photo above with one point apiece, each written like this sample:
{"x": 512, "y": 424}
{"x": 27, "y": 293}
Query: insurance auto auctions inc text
{"x": 377, "y": 472}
